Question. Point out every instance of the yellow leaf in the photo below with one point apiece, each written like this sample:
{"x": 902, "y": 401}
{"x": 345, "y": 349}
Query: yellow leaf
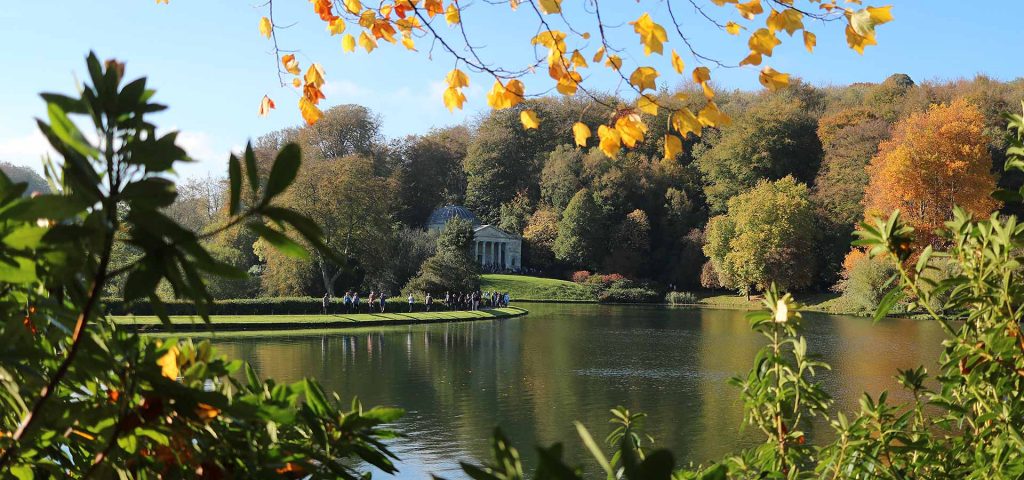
{"x": 457, "y": 79}
{"x": 578, "y": 60}
{"x": 673, "y": 146}
{"x": 451, "y": 15}
{"x": 810, "y": 41}
{"x": 169, "y": 364}
{"x": 206, "y": 412}
{"x": 711, "y": 116}
{"x": 315, "y": 75}
{"x": 552, "y": 39}
{"x": 753, "y": 59}
{"x": 266, "y": 105}
{"x": 550, "y": 6}
{"x": 680, "y": 96}
{"x": 685, "y": 122}
{"x": 733, "y": 28}
{"x": 708, "y": 92}
{"x": 291, "y": 65}
{"x": 677, "y": 63}
{"x": 788, "y": 20}
{"x": 348, "y": 43}
{"x": 598, "y": 55}
{"x": 586, "y": 35}
{"x": 721, "y": 3}
{"x": 631, "y": 129}
{"x": 367, "y": 18}
{"x": 433, "y": 7}
{"x": 581, "y": 132}
{"x": 266, "y": 29}
{"x": 336, "y": 27}
{"x": 366, "y": 42}
{"x": 408, "y": 43}
{"x": 773, "y": 79}
{"x": 643, "y": 78}
{"x": 296, "y": 82}
{"x": 763, "y": 41}
{"x": 858, "y": 42}
{"x": 647, "y": 105}
{"x": 651, "y": 34}
{"x": 310, "y": 113}
{"x": 568, "y": 83}
{"x": 610, "y": 141}
{"x": 514, "y": 4}
{"x": 353, "y": 6}
{"x": 505, "y": 96}
{"x": 750, "y": 9}
{"x": 613, "y": 61}
{"x": 880, "y": 15}
{"x": 453, "y": 98}
{"x": 701, "y": 74}
{"x": 529, "y": 119}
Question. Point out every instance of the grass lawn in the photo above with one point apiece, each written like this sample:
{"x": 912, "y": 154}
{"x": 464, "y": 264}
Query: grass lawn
{"x": 818, "y": 302}
{"x": 255, "y": 322}
{"x": 522, "y": 287}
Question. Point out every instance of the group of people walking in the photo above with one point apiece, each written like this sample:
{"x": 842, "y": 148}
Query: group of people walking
{"x": 351, "y": 302}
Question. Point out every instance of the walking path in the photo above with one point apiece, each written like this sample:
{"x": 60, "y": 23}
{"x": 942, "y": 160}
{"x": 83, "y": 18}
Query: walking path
{"x": 303, "y": 322}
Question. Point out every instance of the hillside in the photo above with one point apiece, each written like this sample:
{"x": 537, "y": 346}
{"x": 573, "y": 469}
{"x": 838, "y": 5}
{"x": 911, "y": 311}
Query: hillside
{"x": 521, "y": 287}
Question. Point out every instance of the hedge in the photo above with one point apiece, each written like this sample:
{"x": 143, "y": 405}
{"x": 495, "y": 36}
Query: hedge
{"x": 258, "y": 306}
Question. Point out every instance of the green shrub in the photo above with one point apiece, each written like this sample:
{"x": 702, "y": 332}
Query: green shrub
{"x": 624, "y": 294}
{"x": 863, "y": 284}
{"x": 681, "y": 298}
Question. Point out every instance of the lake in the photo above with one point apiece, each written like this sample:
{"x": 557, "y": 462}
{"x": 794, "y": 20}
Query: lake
{"x": 534, "y": 375}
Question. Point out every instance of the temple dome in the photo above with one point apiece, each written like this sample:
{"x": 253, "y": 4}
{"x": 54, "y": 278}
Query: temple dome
{"x": 442, "y": 215}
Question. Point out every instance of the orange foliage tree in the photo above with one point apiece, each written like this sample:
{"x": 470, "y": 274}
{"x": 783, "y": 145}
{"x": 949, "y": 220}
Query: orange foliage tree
{"x": 936, "y": 159}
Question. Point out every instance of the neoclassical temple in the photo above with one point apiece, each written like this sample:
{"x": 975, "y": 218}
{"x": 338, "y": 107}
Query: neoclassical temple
{"x": 492, "y": 246}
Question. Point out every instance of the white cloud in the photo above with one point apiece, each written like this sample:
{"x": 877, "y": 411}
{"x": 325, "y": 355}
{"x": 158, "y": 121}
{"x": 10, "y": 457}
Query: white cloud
{"x": 210, "y": 156}
{"x": 24, "y": 149}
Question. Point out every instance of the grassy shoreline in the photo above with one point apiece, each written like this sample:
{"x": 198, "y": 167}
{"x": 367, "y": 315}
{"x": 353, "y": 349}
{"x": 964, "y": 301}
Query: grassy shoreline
{"x": 304, "y": 322}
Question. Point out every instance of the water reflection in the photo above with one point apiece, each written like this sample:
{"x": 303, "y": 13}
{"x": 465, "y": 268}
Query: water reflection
{"x": 536, "y": 374}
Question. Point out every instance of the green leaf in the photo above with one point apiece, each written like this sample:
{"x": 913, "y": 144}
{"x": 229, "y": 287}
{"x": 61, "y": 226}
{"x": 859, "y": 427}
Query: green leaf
{"x": 594, "y": 449}
{"x": 315, "y": 398}
{"x": 251, "y": 171}
{"x": 279, "y": 240}
{"x": 235, "y": 180}
{"x": 887, "y": 302}
{"x": 283, "y": 172}
{"x": 17, "y": 270}
{"x": 68, "y": 132}
{"x": 22, "y": 472}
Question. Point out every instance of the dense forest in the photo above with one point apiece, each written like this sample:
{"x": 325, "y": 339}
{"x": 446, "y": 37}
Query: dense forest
{"x": 773, "y": 197}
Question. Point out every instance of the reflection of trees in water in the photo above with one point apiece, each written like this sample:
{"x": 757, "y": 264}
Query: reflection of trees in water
{"x": 533, "y": 376}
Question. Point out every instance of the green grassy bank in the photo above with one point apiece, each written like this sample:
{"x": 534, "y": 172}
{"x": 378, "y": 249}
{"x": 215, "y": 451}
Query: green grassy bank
{"x": 524, "y": 288}
{"x": 817, "y": 302}
{"x": 301, "y": 322}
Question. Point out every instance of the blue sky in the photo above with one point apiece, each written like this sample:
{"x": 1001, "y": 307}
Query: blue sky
{"x": 208, "y": 62}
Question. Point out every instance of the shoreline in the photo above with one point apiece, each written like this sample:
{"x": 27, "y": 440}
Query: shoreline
{"x": 236, "y": 323}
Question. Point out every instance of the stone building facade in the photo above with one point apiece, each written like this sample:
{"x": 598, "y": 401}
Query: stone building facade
{"x": 492, "y": 247}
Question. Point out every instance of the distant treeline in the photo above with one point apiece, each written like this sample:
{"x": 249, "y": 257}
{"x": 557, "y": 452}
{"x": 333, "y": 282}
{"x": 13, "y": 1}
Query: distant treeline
{"x": 639, "y": 215}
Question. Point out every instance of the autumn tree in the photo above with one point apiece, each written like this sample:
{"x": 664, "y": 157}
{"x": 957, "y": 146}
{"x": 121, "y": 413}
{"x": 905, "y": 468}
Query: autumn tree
{"x": 774, "y": 138}
{"x": 515, "y": 213}
{"x": 580, "y": 232}
{"x": 935, "y": 160}
{"x": 560, "y": 179}
{"x": 354, "y": 208}
{"x": 539, "y": 238}
{"x": 502, "y": 160}
{"x": 768, "y": 235}
{"x": 631, "y": 249}
{"x": 429, "y": 172}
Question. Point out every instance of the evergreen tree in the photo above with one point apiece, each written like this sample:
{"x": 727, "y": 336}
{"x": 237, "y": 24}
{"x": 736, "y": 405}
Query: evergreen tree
{"x": 450, "y": 269}
{"x": 579, "y": 232}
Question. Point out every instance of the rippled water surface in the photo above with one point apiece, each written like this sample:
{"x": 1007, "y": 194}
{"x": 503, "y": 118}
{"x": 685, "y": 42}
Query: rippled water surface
{"x": 534, "y": 375}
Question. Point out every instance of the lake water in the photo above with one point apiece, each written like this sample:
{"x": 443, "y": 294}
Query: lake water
{"x": 534, "y": 375}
